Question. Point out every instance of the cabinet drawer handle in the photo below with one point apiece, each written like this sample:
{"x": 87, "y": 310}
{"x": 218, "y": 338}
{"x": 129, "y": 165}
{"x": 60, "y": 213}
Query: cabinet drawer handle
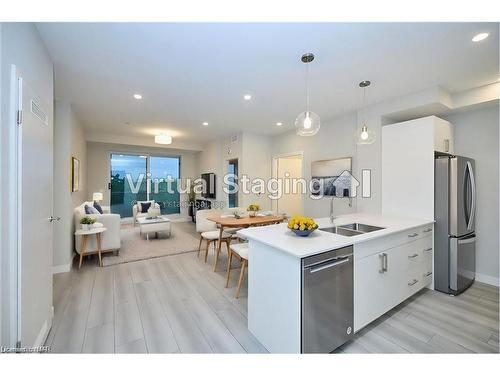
{"x": 427, "y": 230}
{"x": 429, "y": 249}
{"x": 413, "y": 256}
{"x": 383, "y": 266}
{"x": 428, "y": 274}
{"x": 411, "y": 283}
{"x": 413, "y": 235}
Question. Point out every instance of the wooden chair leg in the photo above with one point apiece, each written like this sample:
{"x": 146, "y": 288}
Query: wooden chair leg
{"x": 228, "y": 248}
{"x": 229, "y": 259}
{"x": 217, "y": 253}
{"x": 199, "y": 246}
{"x": 206, "y": 252}
{"x": 240, "y": 281}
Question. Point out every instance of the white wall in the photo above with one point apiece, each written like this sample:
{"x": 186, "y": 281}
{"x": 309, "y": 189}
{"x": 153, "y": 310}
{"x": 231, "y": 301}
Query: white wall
{"x": 256, "y": 162}
{"x": 98, "y": 173}
{"x": 477, "y": 136}
{"x": 213, "y": 159}
{"x": 69, "y": 140}
{"x": 20, "y": 45}
{"x": 335, "y": 140}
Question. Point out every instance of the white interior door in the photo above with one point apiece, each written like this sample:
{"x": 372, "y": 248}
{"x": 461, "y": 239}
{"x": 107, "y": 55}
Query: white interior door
{"x": 35, "y": 232}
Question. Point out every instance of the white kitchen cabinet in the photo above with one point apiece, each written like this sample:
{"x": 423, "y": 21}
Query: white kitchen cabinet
{"x": 376, "y": 288}
{"x": 408, "y": 165}
{"x": 384, "y": 279}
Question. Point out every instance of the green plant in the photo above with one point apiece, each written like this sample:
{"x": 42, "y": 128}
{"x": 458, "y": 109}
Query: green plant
{"x": 87, "y": 220}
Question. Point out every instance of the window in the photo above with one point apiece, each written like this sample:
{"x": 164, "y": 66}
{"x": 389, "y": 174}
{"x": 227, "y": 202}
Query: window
{"x": 144, "y": 177}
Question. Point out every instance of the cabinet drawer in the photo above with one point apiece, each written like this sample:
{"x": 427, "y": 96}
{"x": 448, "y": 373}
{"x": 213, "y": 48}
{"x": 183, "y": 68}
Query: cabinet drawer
{"x": 427, "y": 278}
{"x": 364, "y": 249}
{"x": 413, "y": 282}
{"x": 427, "y": 255}
{"x": 417, "y": 252}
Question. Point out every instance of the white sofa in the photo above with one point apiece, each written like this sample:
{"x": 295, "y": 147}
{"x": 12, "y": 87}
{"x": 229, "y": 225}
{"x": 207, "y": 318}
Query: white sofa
{"x": 110, "y": 239}
{"x": 137, "y": 211}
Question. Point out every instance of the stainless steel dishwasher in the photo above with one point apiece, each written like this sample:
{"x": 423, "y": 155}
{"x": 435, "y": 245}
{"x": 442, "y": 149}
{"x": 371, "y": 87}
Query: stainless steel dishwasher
{"x": 327, "y": 300}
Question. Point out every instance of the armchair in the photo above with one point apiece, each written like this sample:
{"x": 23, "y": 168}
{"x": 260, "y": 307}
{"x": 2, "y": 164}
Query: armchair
{"x": 136, "y": 210}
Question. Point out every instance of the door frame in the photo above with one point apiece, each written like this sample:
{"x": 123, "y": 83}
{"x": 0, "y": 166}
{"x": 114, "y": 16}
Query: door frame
{"x": 12, "y": 224}
{"x": 274, "y": 172}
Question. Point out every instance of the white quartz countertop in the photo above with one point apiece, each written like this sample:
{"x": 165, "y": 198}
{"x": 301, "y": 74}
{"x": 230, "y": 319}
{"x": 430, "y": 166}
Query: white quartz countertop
{"x": 280, "y": 237}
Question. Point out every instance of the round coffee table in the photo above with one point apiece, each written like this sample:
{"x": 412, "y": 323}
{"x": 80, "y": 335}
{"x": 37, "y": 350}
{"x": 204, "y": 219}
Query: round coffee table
{"x": 85, "y": 235}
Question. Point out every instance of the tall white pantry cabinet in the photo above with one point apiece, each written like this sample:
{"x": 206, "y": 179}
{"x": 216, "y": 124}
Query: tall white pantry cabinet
{"x": 408, "y": 165}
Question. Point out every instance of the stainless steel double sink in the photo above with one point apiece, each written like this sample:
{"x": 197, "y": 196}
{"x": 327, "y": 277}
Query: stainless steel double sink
{"x": 352, "y": 229}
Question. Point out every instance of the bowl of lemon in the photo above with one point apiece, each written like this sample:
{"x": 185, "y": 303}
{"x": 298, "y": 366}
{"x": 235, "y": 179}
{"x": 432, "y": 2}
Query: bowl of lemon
{"x": 302, "y": 226}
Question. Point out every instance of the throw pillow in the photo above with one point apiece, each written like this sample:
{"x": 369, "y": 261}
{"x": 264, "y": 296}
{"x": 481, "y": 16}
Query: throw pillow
{"x": 98, "y": 207}
{"x": 145, "y": 207}
{"x": 89, "y": 210}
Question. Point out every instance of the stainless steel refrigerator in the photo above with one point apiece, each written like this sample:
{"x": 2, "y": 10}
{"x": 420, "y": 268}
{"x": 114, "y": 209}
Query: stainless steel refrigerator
{"x": 455, "y": 214}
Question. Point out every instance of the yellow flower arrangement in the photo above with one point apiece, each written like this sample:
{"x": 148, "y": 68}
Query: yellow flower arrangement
{"x": 302, "y": 223}
{"x": 253, "y": 207}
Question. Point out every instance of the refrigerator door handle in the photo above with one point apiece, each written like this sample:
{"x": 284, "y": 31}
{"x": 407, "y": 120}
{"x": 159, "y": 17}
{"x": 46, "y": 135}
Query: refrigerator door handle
{"x": 467, "y": 240}
{"x": 473, "y": 196}
{"x": 453, "y": 264}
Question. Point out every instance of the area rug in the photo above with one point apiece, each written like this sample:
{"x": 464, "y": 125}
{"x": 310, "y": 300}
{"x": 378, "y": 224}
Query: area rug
{"x": 183, "y": 239}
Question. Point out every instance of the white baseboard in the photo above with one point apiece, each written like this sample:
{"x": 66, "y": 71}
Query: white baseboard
{"x": 44, "y": 331}
{"x": 490, "y": 280}
{"x": 61, "y": 268}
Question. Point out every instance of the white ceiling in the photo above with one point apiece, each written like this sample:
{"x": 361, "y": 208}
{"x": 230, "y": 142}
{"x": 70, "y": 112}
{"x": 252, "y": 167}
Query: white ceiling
{"x": 194, "y": 72}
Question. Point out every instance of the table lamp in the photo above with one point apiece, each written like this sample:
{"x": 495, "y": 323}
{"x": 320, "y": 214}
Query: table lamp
{"x": 97, "y": 197}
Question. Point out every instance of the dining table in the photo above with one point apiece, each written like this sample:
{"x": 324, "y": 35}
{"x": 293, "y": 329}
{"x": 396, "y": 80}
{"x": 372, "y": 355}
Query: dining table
{"x": 229, "y": 221}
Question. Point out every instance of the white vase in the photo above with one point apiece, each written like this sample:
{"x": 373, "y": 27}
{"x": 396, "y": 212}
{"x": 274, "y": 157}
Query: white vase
{"x": 85, "y": 226}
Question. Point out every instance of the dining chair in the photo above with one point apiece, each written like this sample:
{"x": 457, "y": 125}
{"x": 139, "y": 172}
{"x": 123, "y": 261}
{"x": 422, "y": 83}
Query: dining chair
{"x": 210, "y": 233}
{"x": 240, "y": 251}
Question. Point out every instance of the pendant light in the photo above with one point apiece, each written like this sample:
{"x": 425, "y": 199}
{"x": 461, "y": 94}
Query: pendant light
{"x": 364, "y": 136}
{"x": 308, "y": 122}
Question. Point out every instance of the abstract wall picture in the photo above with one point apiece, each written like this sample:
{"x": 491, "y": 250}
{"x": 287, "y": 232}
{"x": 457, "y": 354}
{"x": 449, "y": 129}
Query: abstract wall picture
{"x": 332, "y": 177}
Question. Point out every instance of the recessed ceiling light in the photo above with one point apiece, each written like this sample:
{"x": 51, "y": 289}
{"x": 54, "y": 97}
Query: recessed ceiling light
{"x": 205, "y": 123}
{"x": 279, "y": 123}
{"x": 480, "y": 36}
{"x": 138, "y": 96}
{"x": 247, "y": 97}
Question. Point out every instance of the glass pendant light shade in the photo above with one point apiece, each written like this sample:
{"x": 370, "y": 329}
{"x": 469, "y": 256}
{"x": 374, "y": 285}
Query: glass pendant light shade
{"x": 365, "y": 136}
{"x": 307, "y": 123}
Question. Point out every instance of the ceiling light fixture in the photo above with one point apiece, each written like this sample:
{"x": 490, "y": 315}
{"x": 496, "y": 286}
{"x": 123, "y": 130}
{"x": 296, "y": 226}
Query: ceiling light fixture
{"x": 247, "y": 97}
{"x": 279, "y": 123}
{"x": 364, "y": 136}
{"x": 163, "y": 139}
{"x": 480, "y": 36}
{"x": 138, "y": 96}
{"x": 307, "y": 123}
{"x": 205, "y": 123}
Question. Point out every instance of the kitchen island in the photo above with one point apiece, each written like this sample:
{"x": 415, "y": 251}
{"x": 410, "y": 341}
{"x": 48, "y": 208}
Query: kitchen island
{"x": 390, "y": 265}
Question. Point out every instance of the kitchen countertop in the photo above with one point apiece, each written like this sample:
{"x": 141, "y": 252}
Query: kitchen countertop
{"x": 280, "y": 237}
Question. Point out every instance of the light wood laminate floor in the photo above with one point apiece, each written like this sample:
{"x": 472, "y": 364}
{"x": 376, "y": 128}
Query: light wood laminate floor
{"x": 177, "y": 304}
